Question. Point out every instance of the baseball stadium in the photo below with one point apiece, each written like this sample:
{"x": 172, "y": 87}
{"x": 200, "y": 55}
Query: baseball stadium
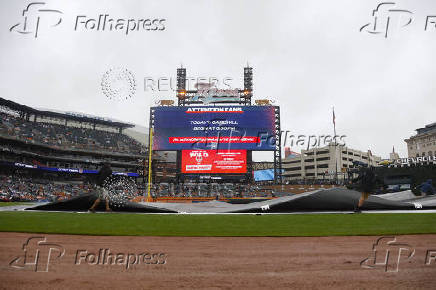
{"x": 187, "y": 191}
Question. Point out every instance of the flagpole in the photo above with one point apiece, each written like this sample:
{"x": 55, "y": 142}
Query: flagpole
{"x": 334, "y": 125}
{"x": 336, "y": 149}
{"x": 150, "y": 156}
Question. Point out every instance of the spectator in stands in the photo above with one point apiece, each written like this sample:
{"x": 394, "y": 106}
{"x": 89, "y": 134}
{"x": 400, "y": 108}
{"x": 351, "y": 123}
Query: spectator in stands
{"x": 102, "y": 193}
{"x": 427, "y": 188}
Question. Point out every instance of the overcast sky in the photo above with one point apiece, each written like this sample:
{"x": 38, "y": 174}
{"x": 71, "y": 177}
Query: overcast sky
{"x": 308, "y": 56}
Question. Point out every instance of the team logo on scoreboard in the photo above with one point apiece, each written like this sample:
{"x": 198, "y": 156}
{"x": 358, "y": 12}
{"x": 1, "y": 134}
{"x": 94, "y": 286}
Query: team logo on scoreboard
{"x": 198, "y": 155}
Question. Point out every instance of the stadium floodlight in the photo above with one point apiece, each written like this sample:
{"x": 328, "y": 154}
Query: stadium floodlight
{"x": 181, "y": 79}
{"x": 248, "y": 78}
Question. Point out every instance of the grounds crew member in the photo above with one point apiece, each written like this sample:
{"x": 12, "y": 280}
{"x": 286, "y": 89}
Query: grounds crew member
{"x": 102, "y": 194}
{"x": 427, "y": 188}
{"x": 366, "y": 184}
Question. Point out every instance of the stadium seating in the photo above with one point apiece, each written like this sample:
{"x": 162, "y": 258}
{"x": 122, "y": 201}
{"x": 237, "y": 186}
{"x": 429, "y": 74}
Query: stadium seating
{"x": 23, "y": 188}
{"x": 67, "y": 137}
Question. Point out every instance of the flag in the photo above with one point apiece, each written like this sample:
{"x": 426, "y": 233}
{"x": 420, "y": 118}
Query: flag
{"x": 287, "y": 151}
{"x": 290, "y": 154}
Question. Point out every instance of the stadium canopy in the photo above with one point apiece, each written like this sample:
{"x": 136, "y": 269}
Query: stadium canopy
{"x": 27, "y": 111}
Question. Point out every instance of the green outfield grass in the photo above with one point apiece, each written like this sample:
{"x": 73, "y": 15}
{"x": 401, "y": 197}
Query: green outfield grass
{"x": 218, "y": 225}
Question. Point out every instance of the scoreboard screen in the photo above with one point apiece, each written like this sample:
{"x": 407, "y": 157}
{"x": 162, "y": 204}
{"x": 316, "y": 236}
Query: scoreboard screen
{"x": 214, "y": 161}
{"x": 214, "y": 128}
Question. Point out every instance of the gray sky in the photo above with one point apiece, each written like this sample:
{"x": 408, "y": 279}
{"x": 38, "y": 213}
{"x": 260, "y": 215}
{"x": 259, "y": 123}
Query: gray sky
{"x": 306, "y": 55}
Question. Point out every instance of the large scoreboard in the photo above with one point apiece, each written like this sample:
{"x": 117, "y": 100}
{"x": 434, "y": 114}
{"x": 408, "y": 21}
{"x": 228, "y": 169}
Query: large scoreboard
{"x": 214, "y": 161}
{"x": 214, "y": 128}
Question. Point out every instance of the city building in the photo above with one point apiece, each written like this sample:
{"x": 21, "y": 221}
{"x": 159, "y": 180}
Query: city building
{"x": 393, "y": 155}
{"x": 325, "y": 162}
{"x": 423, "y": 143}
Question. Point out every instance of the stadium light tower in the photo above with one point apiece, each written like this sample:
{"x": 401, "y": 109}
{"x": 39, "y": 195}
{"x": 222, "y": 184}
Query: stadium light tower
{"x": 181, "y": 85}
{"x": 248, "y": 84}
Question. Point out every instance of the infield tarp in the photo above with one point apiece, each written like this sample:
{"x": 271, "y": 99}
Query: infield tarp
{"x": 334, "y": 199}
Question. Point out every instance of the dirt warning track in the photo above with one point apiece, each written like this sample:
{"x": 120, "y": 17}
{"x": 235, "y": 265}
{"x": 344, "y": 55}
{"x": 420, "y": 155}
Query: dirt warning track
{"x": 73, "y": 261}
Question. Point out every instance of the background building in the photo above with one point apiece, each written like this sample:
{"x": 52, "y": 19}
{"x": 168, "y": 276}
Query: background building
{"x": 393, "y": 155}
{"x": 423, "y": 143}
{"x": 323, "y": 163}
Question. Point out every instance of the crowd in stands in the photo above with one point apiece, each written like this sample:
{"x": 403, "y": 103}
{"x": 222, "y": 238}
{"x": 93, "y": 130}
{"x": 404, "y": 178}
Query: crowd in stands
{"x": 67, "y": 136}
{"x": 20, "y": 188}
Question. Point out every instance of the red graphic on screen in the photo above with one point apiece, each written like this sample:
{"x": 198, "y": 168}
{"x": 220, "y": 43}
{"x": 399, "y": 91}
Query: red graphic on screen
{"x": 223, "y": 139}
{"x": 214, "y": 161}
